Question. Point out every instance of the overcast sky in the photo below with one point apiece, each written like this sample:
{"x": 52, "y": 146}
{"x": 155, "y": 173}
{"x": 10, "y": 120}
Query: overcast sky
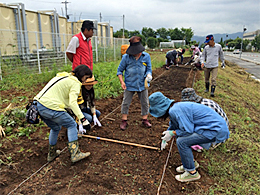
{"x": 202, "y": 16}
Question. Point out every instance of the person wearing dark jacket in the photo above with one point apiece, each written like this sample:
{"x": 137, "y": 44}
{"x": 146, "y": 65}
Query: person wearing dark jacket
{"x": 173, "y": 57}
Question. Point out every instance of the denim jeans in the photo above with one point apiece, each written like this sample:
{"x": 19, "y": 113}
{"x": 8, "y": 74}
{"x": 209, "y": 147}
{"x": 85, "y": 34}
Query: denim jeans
{"x": 184, "y": 146}
{"x": 88, "y": 115}
{"x": 55, "y": 119}
{"x": 181, "y": 58}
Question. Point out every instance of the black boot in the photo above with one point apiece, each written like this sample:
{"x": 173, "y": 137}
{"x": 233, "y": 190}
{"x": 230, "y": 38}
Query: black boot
{"x": 207, "y": 87}
{"x": 213, "y": 87}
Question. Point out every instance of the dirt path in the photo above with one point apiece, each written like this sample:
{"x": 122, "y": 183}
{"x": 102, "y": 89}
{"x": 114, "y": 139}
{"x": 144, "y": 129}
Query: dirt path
{"x": 112, "y": 168}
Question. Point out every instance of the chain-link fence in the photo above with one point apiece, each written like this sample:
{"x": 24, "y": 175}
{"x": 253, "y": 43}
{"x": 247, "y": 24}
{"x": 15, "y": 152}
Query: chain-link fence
{"x": 34, "y": 52}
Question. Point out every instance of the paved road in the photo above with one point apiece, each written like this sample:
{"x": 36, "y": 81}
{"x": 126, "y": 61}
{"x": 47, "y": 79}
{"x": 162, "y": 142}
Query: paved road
{"x": 249, "y": 56}
{"x": 250, "y": 67}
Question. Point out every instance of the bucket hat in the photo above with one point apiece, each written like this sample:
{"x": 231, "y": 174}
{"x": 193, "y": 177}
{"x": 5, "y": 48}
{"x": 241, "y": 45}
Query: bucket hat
{"x": 90, "y": 81}
{"x": 135, "y": 48}
{"x": 159, "y": 104}
{"x": 188, "y": 94}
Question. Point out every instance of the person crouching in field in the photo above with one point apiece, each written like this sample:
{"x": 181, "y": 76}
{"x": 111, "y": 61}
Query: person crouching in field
{"x": 173, "y": 57}
{"x": 60, "y": 93}
{"x": 86, "y": 101}
{"x": 192, "y": 124}
{"x": 138, "y": 69}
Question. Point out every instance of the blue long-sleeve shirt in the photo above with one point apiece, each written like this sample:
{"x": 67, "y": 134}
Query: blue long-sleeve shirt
{"x": 135, "y": 71}
{"x": 189, "y": 117}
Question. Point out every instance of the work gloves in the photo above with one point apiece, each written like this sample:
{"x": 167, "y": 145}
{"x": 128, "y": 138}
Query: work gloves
{"x": 81, "y": 129}
{"x": 223, "y": 65}
{"x": 147, "y": 81}
{"x": 167, "y": 137}
{"x": 85, "y": 124}
{"x": 96, "y": 121}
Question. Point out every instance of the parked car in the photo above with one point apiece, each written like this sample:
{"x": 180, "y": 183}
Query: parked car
{"x": 236, "y": 51}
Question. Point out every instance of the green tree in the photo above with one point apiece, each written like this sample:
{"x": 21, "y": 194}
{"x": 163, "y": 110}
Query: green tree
{"x": 231, "y": 44}
{"x": 245, "y": 44}
{"x": 228, "y": 41}
{"x": 151, "y": 42}
{"x": 143, "y": 41}
{"x": 188, "y": 34}
{"x": 133, "y": 33}
{"x": 162, "y": 33}
{"x": 148, "y": 32}
{"x": 176, "y": 34}
{"x": 221, "y": 42}
{"x": 256, "y": 42}
{"x": 119, "y": 33}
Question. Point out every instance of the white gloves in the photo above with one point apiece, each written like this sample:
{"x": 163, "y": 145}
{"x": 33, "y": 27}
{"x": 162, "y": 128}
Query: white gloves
{"x": 96, "y": 121}
{"x": 147, "y": 81}
{"x": 81, "y": 129}
{"x": 149, "y": 78}
{"x": 223, "y": 65}
{"x": 163, "y": 144}
{"x": 167, "y": 137}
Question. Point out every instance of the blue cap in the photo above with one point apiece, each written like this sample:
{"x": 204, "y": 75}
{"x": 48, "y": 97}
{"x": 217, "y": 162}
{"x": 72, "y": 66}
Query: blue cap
{"x": 208, "y": 38}
{"x": 159, "y": 104}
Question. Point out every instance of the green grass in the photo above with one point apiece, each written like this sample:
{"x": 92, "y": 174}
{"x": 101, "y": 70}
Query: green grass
{"x": 235, "y": 165}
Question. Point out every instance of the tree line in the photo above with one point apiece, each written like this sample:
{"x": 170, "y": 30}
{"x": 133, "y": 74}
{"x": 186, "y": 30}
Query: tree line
{"x": 152, "y": 38}
{"x": 247, "y": 45}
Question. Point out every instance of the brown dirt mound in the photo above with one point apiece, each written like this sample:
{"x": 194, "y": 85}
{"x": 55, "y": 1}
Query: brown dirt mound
{"x": 112, "y": 168}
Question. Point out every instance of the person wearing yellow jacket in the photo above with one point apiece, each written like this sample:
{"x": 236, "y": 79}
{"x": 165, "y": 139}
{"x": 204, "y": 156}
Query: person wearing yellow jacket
{"x": 62, "y": 92}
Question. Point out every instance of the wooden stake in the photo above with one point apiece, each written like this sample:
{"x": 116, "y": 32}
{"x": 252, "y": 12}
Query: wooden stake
{"x": 120, "y": 142}
{"x": 165, "y": 126}
{"x": 111, "y": 119}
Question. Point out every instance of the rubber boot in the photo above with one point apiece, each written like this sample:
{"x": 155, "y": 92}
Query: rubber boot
{"x": 207, "y": 87}
{"x": 75, "y": 153}
{"x": 53, "y": 153}
{"x": 213, "y": 87}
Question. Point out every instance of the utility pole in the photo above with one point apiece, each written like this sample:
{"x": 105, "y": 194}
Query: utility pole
{"x": 100, "y": 17}
{"x": 244, "y": 29}
{"x": 123, "y": 26}
{"x": 226, "y": 43}
{"x": 66, "y": 9}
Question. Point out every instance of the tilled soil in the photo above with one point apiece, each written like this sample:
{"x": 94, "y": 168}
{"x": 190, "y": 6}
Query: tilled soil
{"x": 112, "y": 168}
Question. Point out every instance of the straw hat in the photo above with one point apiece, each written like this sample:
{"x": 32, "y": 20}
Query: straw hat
{"x": 90, "y": 81}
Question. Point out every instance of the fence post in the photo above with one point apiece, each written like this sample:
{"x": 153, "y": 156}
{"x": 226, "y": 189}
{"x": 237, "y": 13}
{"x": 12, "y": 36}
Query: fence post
{"x": 1, "y": 78}
{"x": 65, "y": 49}
{"x": 38, "y": 56}
{"x": 114, "y": 48}
{"x": 96, "y": 43}
{"x": 104, "y": 45}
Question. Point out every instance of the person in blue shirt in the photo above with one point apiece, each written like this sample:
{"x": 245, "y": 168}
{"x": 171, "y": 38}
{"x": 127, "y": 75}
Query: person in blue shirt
{"x": 137, "y": 69}
{"x": 192, "y": 124}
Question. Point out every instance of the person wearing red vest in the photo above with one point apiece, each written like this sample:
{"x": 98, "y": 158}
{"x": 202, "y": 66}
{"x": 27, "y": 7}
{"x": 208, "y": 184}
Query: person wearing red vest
{"x": 79, "y": 50}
